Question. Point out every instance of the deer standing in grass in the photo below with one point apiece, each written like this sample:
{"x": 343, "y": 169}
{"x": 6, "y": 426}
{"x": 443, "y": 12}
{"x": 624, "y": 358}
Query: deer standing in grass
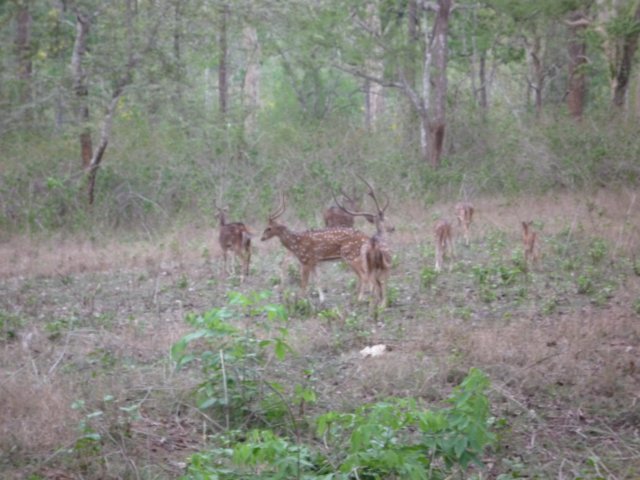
{"x": 311, "y": 247}
{"x": 443, "y": 232}
{"x": 375, "y": 252}
{"x": 529, "y": 242}
{"x": 234, "y": 237}
{"x": 464, "y": 212}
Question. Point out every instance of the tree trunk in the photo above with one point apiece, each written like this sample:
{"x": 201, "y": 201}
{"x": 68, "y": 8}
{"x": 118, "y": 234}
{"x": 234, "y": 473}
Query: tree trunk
{"x": 625, "y": 62}
{"x": 374, "y": 101}
{"x": 437, "y": 126}
{"x": 177, "y": 52}
{"x": 537, "y": 72}
{"x": 83, "y": 24}
{"x": 411, "y": 67}
{"x": 482, "y": 75}
{"x": 577, "y": 87}
{"x": 223, "y": 93}
{"x": 251, "y": 84}
{"x": 23, "y": 54}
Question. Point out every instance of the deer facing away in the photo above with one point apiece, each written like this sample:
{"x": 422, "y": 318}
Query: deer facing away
{"x": 375, "y": 252}
{"x": 234, "y": 237}
{"x": 312, "y": 247}
{"x": 464, "y": 213}
{"x": 443, "y": 233}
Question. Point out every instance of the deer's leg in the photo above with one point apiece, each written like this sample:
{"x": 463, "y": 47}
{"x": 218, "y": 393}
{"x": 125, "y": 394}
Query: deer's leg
{"x": 357, "y": 265}
{"x": 305, "y": 271}
{"x": 438, "y": 259}
{"x": 247, "y": 262}
{"x": 224, "y": 262}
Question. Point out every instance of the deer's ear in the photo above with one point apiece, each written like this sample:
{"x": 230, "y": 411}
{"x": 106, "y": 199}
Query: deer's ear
{"x": 370, "y": 218}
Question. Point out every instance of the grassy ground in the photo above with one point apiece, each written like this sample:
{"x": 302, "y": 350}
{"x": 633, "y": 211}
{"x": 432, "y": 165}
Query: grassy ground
{"x": 86, "y": 326}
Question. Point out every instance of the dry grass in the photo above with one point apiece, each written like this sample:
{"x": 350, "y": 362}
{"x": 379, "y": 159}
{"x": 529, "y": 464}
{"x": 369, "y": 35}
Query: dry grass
{"x": 96, "y": 320}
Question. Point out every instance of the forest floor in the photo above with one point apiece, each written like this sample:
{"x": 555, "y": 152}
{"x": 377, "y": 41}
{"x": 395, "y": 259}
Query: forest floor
{"x": 86, "y": 328}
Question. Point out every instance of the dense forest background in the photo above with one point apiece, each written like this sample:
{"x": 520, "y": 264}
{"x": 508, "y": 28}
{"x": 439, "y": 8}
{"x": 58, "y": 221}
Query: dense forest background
{"x": 152, "y": 111}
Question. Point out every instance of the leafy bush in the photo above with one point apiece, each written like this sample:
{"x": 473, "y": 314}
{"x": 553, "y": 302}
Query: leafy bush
{"x": 391, "y": 439}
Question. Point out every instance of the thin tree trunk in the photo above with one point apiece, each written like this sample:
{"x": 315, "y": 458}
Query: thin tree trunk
{"x": 24, "y": 21}
{"x": 538, "y": 74}
{"x": 177, "y": 53}
{"x": 223, "y": 94}
{"x": 80, "y": 88}
{"x": 625, "y": 63}
{"x": 374, "y": 101}
{"x": 577, "y": 87}
{"x": 437, "y": 126}
{"x": 410, "y": 66}
{"x": 251, "y": 84}
{"x": 482, "y": 75}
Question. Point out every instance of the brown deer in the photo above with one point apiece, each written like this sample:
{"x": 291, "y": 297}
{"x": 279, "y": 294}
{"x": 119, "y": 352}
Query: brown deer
{"x": 464, "y": 212}
{"x": 529, "y": 238}
{"x": 375, "y": 252}
{"x": 335, "y": 216}
{"x": 235, "y": 237}
{"x": 311, "y": 247}
{"x": 443, "y": 236}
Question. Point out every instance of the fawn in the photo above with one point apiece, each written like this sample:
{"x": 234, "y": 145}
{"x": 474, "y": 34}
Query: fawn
{"x": 443, "y": 232}
{"x": 234, "y": 237}
{"x": 464, "y": 212}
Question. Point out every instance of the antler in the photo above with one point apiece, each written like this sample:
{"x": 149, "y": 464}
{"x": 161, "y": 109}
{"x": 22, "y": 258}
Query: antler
{"x": 369, "y": 216}
{"x": 344, "y": 194}
{"x": 372, "y": 194}
{"x": 280, "y": 210}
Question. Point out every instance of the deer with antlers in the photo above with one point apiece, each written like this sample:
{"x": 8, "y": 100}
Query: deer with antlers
{"x": 529, "y": 238}
{"x": 464, "y": 213}
{"x": 312, "y": 247}
{"x": 375, "y": 252}
{"x": 234, "y": 237}
{"x": 443, "y": 232}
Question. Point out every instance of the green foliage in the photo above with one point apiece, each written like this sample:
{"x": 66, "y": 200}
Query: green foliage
{"x": 9, "y": 326}
{"x": 392, "y": 439}
{"x": 428, "y": 276}
{"x": 233, "y": 360}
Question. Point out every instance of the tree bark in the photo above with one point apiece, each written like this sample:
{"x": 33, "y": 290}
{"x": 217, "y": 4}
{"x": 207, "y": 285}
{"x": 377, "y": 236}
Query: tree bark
{"x": 251, "y": 84}
{"x": 223, "y": 93}
{"x": 627, "y": 51}
{"x": 24, "y": 22}
{"x": 374, "y": 101}
{"x": 537, "y": 72}
{"x": 80, "y": 88}
{"x": 577, "y": 85}
{"x": 437, "y": 126}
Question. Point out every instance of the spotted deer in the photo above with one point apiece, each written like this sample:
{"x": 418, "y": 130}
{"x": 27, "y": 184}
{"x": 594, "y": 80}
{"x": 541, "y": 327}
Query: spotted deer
{"x": 234, "y": 237}
{"x": 375, "y": 252}
{"x": 529, "y": 238}
{"x": 312, "y": 247}
{"x": 464, "y": 213}
{"x": 335, "y": 216}
{"x": 443, "y": 233}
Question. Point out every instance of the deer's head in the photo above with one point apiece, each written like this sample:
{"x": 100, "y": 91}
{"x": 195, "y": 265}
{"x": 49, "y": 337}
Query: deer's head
{"x": 273, "y": 227}
{"x": 377, "y": 218}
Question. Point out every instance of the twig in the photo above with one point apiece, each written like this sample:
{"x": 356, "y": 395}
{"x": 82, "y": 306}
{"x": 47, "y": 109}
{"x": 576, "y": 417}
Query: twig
{"x": 224, "y": 387}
